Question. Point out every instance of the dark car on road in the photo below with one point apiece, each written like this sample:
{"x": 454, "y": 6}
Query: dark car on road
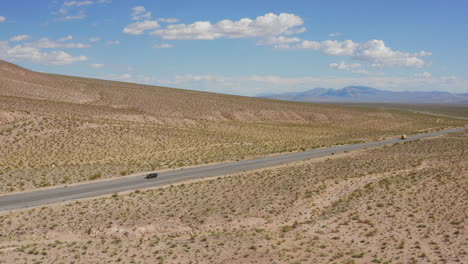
{"x": 151, "y": 176}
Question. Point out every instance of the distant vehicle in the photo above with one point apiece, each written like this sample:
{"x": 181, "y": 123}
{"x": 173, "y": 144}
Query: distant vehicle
{"x": 403, "y": 137}
{"x": 151, "y": 176}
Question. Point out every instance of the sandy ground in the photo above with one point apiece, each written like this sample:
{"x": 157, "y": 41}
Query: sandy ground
{"x": 399, "y": 204}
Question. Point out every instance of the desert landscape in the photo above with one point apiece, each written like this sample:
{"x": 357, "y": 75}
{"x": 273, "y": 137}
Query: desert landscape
{"x": 58, "y": 130}
{"x": 233, "y": 132}
{"x": 404, "y": 203}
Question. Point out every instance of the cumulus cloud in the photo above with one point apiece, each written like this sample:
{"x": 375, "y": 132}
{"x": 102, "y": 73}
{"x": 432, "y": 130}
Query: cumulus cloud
{"x": 45, "y": 43}
{"x": 2, "y": 19}
{"x": 139, "y": 28}
{"x": 373, "y": 51}
{"x": 145, "y": 22}
{"x": 278, "y": 40}
{"x": 376, "y": 51}
{"x": 20, "y": 38}
{"x": 75, "y": 9}
{"x": 42, "y": 51}
{"x": 78, "y": 3}
{"x": 95, "y": 39}
{"x": 168, "y": 20}
{"x": 139, "y": 12}
{"x": 350, "y": 67}
{"x": 263, "y": 26}
{"x": 344, "y": 66}
{"x": 36, "y": 55}
{"x": 69, "y": 37}
{"x": 335, "y": 34}
{"x": 162, "y": 46}
{"x": 328, "y": 47}
{"x": 96, "y": 65}
{"x": 80, "y": 15}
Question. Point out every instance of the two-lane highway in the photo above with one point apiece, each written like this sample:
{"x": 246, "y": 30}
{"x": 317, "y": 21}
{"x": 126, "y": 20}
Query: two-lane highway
{"x": 88, "y": 190}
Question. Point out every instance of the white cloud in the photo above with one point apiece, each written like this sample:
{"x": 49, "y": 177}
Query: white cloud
{"x": 278, "y": 40}
{"x": 113, "y": 42}
{"x": 344, "y": 66}
{"x": 328, "y": 47}
{"x": 336, "y": 48}
{"x": 96, "y": 65}
{"x": 139, "y": 28}
{"x": 80, "y": 15}
{"x": 20, "y": 38}
{"x": 335, "y": 34}
{"x": 376, "y": 51}
{"x": 352, "y": 67}
{"x": 2, "y": 19}
{"x": 373, "y": 51}
{"x": 423, "y": 75}
{"x": 45, "y": 43}
{"x": 75, "y": 9}
{"x": 69, "y": 37}
{"x": 168, "y": 20}
{"x": 263, "y": 26}
{"x": 95, "y": 39}
{"x": 78, "y": 3}
{"x": 162, "y": 46}
{"x": 140, "y": 12}
{"x": 145, "y": 23}
{"x": 423, "y": 53}
{"x": 35, "y": 55}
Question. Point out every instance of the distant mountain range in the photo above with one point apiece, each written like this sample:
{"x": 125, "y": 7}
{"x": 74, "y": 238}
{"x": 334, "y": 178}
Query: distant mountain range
{"x": 368, "y": 94}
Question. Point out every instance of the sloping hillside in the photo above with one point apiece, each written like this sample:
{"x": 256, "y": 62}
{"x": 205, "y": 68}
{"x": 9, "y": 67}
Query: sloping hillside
{"x": 60, "y": 129}
{"x": 17, "y": 81}
{"x": 162, "y": 102}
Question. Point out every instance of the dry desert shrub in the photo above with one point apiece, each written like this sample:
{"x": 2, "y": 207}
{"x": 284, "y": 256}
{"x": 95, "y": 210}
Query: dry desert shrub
{"x": 373, "y": 206}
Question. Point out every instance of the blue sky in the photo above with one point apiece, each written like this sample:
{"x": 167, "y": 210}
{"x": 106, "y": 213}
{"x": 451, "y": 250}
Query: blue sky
{"x": 243, "y": 47}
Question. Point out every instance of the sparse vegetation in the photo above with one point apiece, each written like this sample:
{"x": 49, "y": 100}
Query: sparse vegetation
{"x": 399, "y": 204}
{"x": 61, "y": 130}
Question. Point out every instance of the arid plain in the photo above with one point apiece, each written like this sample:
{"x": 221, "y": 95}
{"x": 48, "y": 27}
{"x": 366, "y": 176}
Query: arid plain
{"x": 404, "y": 203}
{"x": 60, "y": 130}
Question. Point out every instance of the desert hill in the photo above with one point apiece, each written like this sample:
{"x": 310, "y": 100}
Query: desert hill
{"x": 165, "y": 104}
{"x": 20, "y": 82}
{"x": 149, "y": 100}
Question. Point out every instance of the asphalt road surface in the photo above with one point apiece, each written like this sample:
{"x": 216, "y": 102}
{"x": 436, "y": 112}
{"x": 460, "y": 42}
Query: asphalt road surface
{"x": 88, "y": 190}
